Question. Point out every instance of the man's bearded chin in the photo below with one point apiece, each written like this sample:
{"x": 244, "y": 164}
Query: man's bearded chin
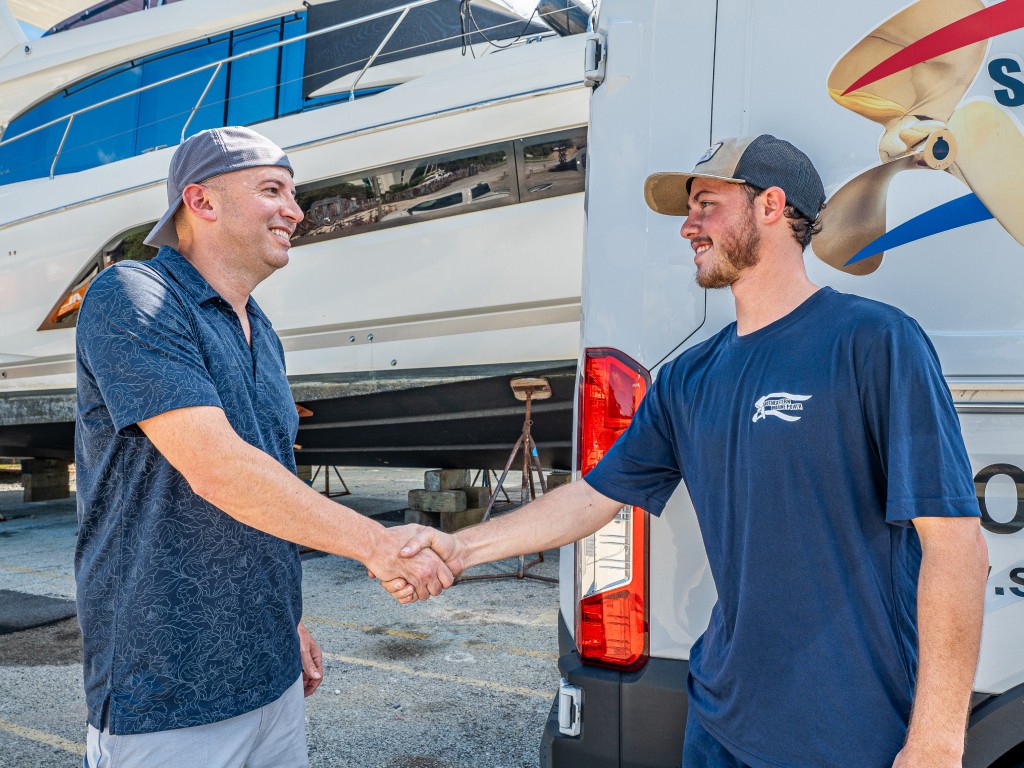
{"x": 733, "y": 255}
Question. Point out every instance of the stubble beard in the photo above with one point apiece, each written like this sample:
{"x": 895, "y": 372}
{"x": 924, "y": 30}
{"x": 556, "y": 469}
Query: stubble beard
{"x": 735, "y": 251}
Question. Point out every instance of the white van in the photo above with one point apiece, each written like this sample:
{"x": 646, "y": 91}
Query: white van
{"x": 912, "y": 114}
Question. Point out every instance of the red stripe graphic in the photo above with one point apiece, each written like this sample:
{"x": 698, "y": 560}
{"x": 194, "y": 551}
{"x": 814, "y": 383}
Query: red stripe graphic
{"x": 981, "y": 25}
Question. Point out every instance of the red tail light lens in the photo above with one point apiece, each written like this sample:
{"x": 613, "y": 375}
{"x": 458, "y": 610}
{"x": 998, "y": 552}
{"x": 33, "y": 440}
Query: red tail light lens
{"x": 611, "y": 565}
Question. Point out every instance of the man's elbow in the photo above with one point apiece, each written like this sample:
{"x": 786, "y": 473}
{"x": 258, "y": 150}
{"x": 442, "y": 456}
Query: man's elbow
{"x": 207, "y": 481}
{"x": 212, "y": 473}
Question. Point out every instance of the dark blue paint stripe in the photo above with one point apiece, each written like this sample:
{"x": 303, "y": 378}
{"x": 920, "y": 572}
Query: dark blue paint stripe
{"x": 956, "y": 213}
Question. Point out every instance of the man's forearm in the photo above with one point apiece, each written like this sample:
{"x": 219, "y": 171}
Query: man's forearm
{"x": 951, "y": 594}
{"x": 556, "y": 518}
{"x": 256, "y": 490}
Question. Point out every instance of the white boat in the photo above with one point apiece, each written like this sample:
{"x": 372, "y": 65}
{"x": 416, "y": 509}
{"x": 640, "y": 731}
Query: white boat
{"x": 443, "y": 190}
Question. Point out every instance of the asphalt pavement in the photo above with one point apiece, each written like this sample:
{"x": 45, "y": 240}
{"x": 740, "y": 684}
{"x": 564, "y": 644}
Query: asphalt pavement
{"x": 460, "y": 681}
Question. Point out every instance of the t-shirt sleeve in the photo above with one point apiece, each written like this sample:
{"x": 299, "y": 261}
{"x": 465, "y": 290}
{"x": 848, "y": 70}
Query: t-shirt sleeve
{"x": 641, "y": 469}
{"x": 135, "y": 339}
{"x": 912, "y": 419}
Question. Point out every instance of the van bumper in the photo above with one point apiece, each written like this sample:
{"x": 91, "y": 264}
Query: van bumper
{"x": 623, "y": 714}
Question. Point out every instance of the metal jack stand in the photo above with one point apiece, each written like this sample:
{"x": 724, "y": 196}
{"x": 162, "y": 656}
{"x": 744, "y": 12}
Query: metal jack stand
{"x": 484, "y": 476}
{"x": 327, "y": 482}
{"x": 526, "y": 390}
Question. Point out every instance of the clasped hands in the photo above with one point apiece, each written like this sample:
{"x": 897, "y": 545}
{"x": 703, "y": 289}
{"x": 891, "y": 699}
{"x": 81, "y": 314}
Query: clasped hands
{"x": 414, "y": 562}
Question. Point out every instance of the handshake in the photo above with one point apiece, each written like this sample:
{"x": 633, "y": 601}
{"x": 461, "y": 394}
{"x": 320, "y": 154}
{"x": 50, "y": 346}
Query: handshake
{"x": 414, "y": 562}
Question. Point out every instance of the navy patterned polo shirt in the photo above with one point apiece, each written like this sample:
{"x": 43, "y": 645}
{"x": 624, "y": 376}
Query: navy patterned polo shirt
{"x": 188, "y": 616}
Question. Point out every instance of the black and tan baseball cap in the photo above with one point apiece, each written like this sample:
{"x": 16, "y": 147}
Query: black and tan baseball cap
{"x": 762, "y": 161}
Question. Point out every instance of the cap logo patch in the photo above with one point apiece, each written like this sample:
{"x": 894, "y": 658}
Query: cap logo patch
{"x": 709, "y": 153}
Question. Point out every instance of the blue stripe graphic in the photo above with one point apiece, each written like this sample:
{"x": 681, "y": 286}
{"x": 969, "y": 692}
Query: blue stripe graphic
{"x": 956, "y": 213}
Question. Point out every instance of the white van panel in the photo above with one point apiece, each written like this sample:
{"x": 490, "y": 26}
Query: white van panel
{"x": 995, "y": 439}
{"x": 658, "y": 110}
{"x": 963, "y": 286}
{"x": 638, "y": 271}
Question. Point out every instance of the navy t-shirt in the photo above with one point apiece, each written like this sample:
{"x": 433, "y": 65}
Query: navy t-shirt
{"x": 188, "y": 616}
{"x": 807, "y": 447}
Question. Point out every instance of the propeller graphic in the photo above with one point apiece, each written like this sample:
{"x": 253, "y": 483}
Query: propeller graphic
{"x": 910, "y": 75}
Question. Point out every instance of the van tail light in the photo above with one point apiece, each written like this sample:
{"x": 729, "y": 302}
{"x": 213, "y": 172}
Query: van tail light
{"x": 611, "y": 564}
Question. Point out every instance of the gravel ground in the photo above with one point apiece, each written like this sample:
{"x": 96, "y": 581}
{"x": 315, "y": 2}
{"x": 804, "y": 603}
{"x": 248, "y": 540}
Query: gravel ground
{"x": 461, "y": 681}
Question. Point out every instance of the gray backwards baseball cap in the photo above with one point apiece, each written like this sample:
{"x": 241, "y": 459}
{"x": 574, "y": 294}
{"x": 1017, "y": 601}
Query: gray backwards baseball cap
{"x": 205, "y": 155}
{"x": 763, "y": 161}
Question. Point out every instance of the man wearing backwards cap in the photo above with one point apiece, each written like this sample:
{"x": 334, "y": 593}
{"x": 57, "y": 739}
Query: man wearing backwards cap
{"x": 189, "y": 585}
{"x": 824, "y": 460}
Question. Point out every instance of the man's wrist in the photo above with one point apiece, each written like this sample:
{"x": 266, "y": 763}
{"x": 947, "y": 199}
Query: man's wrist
{"x": 950, "y": 744}
{"x": 371, "y": 543}
{"x": 468, "y": 551}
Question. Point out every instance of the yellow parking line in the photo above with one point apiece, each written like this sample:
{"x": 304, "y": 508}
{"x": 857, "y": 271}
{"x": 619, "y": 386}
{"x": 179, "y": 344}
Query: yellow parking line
{"x": 43, "y": 738}
{"x": 401, "y": 668}
{"x": 371, "y": 630}
{"x": 516, "y": 651}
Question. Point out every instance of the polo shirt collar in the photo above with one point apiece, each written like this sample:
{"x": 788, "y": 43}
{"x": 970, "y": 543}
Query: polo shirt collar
{"x": 189, "y": 278}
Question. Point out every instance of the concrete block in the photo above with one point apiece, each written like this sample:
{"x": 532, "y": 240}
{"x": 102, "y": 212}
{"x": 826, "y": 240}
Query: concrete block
{"x": 45, "y": 479}
{"x": 437, "y": 501}
{"x": 419, "y": 517}
{"x": 556, "y": 479}
{"x": 305, "y": 473}
{"x": 477, "y": 496}
{"x": 445, "y": 479}
{"x": 453, "y": 521}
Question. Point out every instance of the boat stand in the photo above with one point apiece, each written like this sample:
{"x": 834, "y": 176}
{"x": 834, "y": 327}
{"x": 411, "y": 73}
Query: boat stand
{"x": 525, "y": 390}
{"x": 485, "y": 476}
{"x": 327, "y": 482}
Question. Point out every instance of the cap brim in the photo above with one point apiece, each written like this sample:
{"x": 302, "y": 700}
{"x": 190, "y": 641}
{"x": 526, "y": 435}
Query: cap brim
{"x": 165, "y": 233}
{"x": 667, "y": 193}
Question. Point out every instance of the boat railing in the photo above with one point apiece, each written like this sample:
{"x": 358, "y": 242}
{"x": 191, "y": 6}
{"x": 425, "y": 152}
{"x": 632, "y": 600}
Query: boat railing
{"x": 402, "y": 11}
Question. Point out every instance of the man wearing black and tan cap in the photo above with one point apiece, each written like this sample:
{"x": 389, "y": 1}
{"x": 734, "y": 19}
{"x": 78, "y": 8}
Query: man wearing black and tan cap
{"x": 188, "y": 575}
{"x": 824, "y": 459}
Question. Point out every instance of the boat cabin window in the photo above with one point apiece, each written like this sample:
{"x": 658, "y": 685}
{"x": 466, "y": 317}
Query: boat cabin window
{"x": 551, "y": 165}
{"x": 419, "y": 190}
{"x": 449, "y": 184}
{"x": 444, "y": 185}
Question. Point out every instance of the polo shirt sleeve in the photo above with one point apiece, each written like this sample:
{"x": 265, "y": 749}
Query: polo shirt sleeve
{"x": 136, "y": 341}
{"x": 642, "y": 469}
{"x": 912, "y": 420}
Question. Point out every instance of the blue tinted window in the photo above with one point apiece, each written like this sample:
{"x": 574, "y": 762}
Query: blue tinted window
{"x": 253, "y": 90}
{"x": 100, "y": 136}
{"x": 30, "y": 157}
{"x": 105, "y": 134}
{"x": 250, "y": 90}
{"x": 163, "y": 111}
{"x": 289, "y": 98}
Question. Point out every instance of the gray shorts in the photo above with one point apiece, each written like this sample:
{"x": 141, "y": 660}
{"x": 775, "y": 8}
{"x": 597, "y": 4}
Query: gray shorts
{"x": 273, "y": 736}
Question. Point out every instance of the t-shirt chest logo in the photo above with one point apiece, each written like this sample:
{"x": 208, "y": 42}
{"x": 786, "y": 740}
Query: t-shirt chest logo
{"x": 782, "y": 405}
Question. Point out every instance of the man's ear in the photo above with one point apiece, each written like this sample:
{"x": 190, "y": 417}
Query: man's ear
{"x": 198, "y": 199}
{"x": 772, "y": 204}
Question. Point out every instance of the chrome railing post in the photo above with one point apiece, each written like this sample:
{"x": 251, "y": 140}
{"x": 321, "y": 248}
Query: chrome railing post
{"x": 56, "y": 157}
{"x": 369, "y": 62}
{"x": 202, "y": 96}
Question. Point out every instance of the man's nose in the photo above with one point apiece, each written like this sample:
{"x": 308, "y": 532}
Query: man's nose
{"x": 293, "y": 211}
{"x": 690, "y": 228}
